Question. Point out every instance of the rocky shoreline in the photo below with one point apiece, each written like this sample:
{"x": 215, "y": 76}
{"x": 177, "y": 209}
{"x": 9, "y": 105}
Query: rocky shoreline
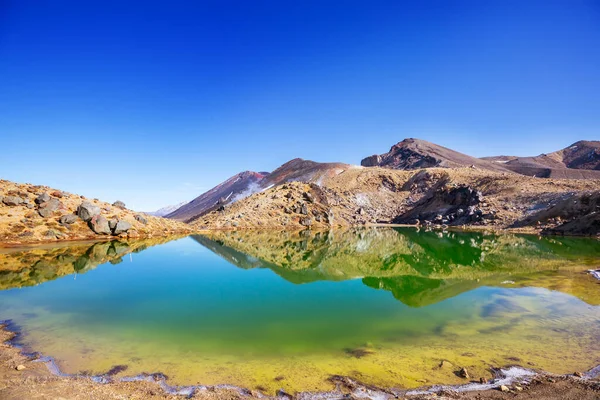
{"x": 27, "y": 375}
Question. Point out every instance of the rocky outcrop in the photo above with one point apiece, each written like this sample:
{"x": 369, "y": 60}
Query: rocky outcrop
{"x": 37, "y": 213}
{"x": 119, "y": 204}
{"x": 449, "y": 205}
{"x": 372, "y": 161}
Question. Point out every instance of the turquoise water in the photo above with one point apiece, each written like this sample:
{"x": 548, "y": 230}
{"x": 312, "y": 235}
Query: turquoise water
{"x": 287, "y": 310}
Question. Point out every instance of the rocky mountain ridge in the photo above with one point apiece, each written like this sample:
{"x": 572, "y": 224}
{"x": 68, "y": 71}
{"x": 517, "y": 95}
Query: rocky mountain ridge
{"x": 581, "y": 160}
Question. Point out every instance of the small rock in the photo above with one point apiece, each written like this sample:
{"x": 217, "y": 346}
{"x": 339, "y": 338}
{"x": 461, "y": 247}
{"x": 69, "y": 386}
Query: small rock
{"x": 68, "y": 219}
{"x": 446, "y": 364}
{"x": 58, "y": 194}
{"x": 306, "y": 221}
{"x": 518, "y": 388}
{"x": 119, "y": 204}
{"x": 551, "y": 380}
{"x": 20, "y": 367}
{"x": 99, "y": 225}
{"x": 141, "y": 218}
{"x": 578, "y": 374}
{"x": 42, "y": 198}
{"x": 482, "y": 381}
{"x": 12, "y": 200}
{"x": 504, "y": 388}
{"x": 464, "y": 373}
{"x": 309, "y": 197}
{"x": 304, "y": 209}
{"x": 86, "y": 211}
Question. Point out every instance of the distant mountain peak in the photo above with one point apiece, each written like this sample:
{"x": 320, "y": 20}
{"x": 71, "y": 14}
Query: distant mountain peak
{"x": 412, "y": 153}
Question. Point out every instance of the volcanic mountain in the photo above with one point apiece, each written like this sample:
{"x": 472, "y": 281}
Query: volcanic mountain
{"x": 412, "y": 154}
{"x": 581, "y": 160}
{"x": 237, "y": 187}
{"x": 247, "y": 183}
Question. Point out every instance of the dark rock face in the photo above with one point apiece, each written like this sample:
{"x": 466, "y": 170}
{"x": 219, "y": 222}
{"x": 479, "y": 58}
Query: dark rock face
{"x": 99, "y": 225}
{"x": 86, "y": 211}
{"x": 68, "y": 219}
{"x": 12, "y": 200}
{"x": 119, "y": 204}
{"x": 121, "y": 227}
{"x": 42, "y": 198}
{"x": 449, "y": 206}
{"x": 372, "y": 161}
{"x": 48, "y": 208}
{"x": 462, "y": 196}
{"x": 141, "y": 218}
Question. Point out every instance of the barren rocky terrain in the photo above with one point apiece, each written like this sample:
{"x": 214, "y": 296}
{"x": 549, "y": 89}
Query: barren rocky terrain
{"x": 429, "y": 197}
{"x": 34, "y": 213}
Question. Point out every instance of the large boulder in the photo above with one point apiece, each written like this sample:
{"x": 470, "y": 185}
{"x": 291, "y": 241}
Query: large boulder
{"x": 122, "y": 227}
{"x": 99, "y": 225}
{"x": 12, "y": 200}
{"x": 49, "y": 207}
{"x": 86, "y": 211}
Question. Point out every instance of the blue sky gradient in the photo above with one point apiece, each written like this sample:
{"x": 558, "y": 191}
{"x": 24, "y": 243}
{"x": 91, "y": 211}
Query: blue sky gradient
{"x": 155, "y": 102}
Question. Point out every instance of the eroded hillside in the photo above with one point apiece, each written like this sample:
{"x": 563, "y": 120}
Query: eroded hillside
{"x": 433, "y": 196}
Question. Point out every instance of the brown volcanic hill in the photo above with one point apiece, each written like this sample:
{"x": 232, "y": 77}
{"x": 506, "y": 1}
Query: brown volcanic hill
{"x": 304, "y": 171}
{"x": 246, "y": 183}
{"x": 581, "y": 160}
{"x": 238, "y": 186}
{"x": 412, "y": 154}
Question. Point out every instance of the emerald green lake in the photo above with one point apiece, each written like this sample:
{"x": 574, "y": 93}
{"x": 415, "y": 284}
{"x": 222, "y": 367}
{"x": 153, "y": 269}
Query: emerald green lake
{"x": 270, "y": 310}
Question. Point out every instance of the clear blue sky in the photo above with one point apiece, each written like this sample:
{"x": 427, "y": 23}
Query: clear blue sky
{"x": 155, "y": 102}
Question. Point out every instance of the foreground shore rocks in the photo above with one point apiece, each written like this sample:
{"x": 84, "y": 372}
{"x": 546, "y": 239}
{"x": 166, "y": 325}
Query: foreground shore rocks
{"x": 33, "y": 213}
